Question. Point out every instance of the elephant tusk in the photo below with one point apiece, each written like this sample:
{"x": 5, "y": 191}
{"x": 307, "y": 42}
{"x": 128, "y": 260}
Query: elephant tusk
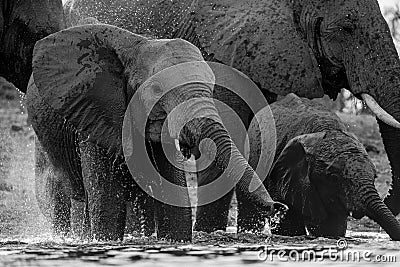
{"x": 379, "y": 111}
{"x": 177, "y": 145}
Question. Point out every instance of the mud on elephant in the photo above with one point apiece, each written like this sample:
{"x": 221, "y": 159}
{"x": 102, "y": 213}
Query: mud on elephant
{"x": 321, "y": 171}
{"x": 22, "y": 23}
{"x": 82, "y": 83}
{"x": 307, "y": 47}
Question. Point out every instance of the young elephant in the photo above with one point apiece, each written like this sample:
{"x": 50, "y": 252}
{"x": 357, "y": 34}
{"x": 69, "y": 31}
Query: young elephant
{"x": 85, "y": 80}
{"x": 321, "y": 171}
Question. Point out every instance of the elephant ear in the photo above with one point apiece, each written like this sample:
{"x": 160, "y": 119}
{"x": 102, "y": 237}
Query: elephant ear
{"x": 79, "y": 73}
{"x": 261, "y": 39}
{"x": 290, "y": 177}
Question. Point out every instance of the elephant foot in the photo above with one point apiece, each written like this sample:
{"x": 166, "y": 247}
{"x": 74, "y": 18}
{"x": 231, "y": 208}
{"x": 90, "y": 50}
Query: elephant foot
{"x": 80, "y": 224}
{"x": 61, "y": 218}
{"x": 140, "y": 215}
{"x": 291, "y": 224}
{"x": 168, "y": 222}
{"x": 249, "y": 218}
{"x": 52, "y": 192}
{"x": 214, "y": 216}
{"x": 172, "y": 222}
{"x": 106, "y": 194}
{"x": 333, "y": 226}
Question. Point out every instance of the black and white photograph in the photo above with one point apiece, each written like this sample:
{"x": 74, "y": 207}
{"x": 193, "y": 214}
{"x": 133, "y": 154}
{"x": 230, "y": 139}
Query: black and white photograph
{"x": 199, "y": 133}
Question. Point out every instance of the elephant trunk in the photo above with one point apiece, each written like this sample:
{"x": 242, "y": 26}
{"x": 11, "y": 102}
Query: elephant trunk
{"x": 380, "y": 213}
{"x": 391, "y": 137}
{"x": 385, "y": 98}
{"x": 196, "y": 120}
{"x": 389, "y": 98}
{"x": 235, "y": 167}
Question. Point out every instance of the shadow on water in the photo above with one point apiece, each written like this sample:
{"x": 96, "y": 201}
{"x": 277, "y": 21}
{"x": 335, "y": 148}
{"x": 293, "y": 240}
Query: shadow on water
{"x": 25, "y": 239}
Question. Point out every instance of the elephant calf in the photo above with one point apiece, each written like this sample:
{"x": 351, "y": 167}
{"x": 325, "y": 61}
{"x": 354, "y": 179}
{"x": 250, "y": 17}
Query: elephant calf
{"x": 91, "y": 82}
{"x": 321, "y": 171}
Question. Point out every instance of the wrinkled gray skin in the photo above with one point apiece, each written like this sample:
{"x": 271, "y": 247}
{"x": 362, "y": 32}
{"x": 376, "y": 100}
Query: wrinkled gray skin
{"x": 22, "y": 24}
{"x": 321, "y": 171}
{"x": 83, "y": 80}
{"x": 308, "y": 47}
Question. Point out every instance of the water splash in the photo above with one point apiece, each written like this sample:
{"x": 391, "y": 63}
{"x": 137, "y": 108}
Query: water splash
{"x": 19, "y": 214}
{"x": 275, "y": 220}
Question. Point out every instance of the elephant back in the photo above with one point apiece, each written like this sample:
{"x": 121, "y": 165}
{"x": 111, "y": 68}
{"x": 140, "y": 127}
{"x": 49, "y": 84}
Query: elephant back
{"x": 158, "y": 19}
{"x": 295, "y": 116}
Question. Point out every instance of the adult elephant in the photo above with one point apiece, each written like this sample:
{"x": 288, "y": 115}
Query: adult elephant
{"x": 310, "y": 48}
{"x": 82, "y": 83}
{"x": 321, "y": 171}
{"x": 22, "y": 24}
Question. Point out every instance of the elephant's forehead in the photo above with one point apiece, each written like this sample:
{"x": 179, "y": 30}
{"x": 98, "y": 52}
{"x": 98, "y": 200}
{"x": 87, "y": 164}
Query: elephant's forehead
{"x": 158, "y": 55}
{"x": 335, "y": 8}
{"x": 339, "y": 144}
{"x": 155, "y": 17}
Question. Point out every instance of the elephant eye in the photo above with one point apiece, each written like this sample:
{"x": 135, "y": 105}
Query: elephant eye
{"x": 349, "y": 23}
{"x": 156, "y": 89}
{"x": 348, "y": 28}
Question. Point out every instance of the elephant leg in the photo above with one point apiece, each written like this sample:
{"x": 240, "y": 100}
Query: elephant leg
{"x": 249, "y": 217}
{"x": 172, "y": 222}
{"x": 106, "y": 194}
{"x": 334, "y": 225}
{"x": 147, "y": 214}
{"x": 292, "y": 224}
{"x": 80, "y": 224}
{"x": 51, "y": 192}
{"x": 140, "y": 217}
{"x": 132, "y": 218}
{"x": 212, "y": 216}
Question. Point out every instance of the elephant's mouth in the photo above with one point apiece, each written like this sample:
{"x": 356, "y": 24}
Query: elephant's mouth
{"x": 156, "y": 128}
{"x": 333, "y": 73}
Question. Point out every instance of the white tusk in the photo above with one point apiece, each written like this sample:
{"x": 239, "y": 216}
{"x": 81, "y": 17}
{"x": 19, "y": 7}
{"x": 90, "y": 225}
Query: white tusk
{"x": 380, "y": 112}
{"x": 177, "y": 145}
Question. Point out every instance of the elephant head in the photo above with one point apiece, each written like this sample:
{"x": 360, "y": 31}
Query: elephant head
{"x": 326, "y": 176}
{"x": 306, "y": 47}
{"x": 22, "y": 24}
{"x": 354, "y": 49}
{"x": 312, "y": 48}
{"x": 88, "y": 74}
{"x": 320, "y": 170}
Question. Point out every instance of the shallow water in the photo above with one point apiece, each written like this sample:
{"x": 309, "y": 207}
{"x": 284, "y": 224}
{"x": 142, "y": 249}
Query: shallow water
{"x": 207, "y": 249}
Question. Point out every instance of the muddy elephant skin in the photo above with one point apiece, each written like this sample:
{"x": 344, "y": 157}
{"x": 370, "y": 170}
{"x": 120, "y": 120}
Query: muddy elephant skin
{"x": 321, "y": 171}
{"x": 22, "y": 24}
{"x": 307, "y": 47}
{"x": 83, "y": 80}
